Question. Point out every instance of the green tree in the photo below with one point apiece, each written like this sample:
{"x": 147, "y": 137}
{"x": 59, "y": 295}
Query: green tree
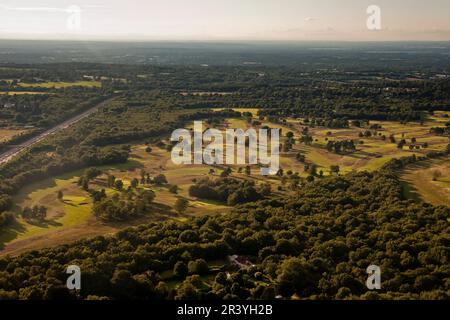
{"x": 173, "y": 189}
{"x": 111, "y": 181}
{"x": 334, "y": 169}
{"x": 294, "y": 277}
{"x": 160, "y": 179}
{"x": 180, "y": 270}
{"x": 198, "y": 266}
{"x": 181, "y": 205}
{"x": 134, "y": 183}
{"x": 118, "y": 184}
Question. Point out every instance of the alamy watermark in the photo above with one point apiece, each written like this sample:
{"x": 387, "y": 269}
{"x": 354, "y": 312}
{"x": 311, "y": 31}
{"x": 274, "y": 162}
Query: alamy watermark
{"x": 190, "y": 147}
{"x": 73, "y": 14}
{"x": 374, "y": 20}
{"x": 374, "y": 280}
{"x": 74, "y": 280}
{"x": 73, "y": 22}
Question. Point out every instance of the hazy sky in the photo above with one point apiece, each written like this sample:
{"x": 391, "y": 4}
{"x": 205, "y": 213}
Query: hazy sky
{"x": 224, "y": 19}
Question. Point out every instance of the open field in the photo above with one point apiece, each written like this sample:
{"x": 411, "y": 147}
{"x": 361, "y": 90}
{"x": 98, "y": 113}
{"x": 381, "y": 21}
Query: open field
{"x": 429, "y": 181}
{"x": 158, "y": 161}
{"x": 371, "y": 152}
{"x": 7, "y": 134}
{"x": 71, "y": 218}
{"x": 58, "y": 85}
{"x": 12, "y": 93}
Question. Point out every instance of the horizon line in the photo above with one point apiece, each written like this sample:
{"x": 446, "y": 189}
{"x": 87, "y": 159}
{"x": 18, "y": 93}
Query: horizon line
{"x": 221, "y": 40}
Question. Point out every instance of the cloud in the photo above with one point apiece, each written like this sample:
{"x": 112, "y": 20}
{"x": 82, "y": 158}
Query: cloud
{"x": 48, "y": 9}
{"x": 93, "y": 6}
{"x": 41, "y": 9}
{"x": 309, "y": 19}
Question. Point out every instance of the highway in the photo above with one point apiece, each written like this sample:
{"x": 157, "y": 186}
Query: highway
{"x": 7, "y": 155}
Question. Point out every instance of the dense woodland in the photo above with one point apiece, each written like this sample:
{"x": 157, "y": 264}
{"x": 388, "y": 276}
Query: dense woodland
{"x": 44, "y": 111}
{"x": 315, "y": 244}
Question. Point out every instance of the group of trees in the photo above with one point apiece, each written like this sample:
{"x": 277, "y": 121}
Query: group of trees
{"x": 35, "y": 213}
{"x": 5, "y": 202}
{"x": 6, "y": 218}
{"x": 289, "y": 142}
{"x": 341, "y": 146}
{"x": 367, "y": 134}
{"x": 395, "y": 165}
{"x": 88, "y": 175}
{"x": 229, "y": 190}
{"x": 300, "y": 157}
{"x": 45, "y": 110}
{"x": 443, "y": 131}
{"x": 412, "y": 145}
{"x": 124, "y": 206}
{"x": 327, "y": 123}
{"x": 181, "y": 205}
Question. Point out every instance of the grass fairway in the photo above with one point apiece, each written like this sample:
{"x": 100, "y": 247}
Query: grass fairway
{"x": 374, "y": 151}
{"x": 370, "y": 155}
{"x": 58, "y": 85}
{"x": 158, "y": 161}
{"x": 71, "y": 218}
{"x": 428, "y": 181}
{"x": 72, "y": 210}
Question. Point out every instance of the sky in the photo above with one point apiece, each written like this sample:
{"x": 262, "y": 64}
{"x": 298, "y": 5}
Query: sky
{"x": 222, "y": 20}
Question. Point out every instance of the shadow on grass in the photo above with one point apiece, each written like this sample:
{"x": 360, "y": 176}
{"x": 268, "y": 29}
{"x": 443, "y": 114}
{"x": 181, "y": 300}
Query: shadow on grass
{"x": 10, "y": 233}
{"x": 45, "y": 184}
{"x": 410, "y": 192}
{"x": 419, "y": 165}
{"x": 69, "y": 203}
{"x": 161, "y": 208}
{"x": 365, "y": 155}
{"x": 127, "y": 166}
{"x": 212, "y": 202}
{"x": 51, "y": 183}
{"x": 44, "y": 223}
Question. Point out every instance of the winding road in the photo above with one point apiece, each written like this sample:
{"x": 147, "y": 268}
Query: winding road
{"x": 15, "y": 150}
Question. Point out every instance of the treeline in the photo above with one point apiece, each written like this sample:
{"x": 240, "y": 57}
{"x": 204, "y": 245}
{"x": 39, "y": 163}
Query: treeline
{"x": 441, "y": 130}
{"x": 279, "y": 92}
{"x": 122, "y": 207}
{"x": 397, "y": 164}
{"x": 147, "y": 122}
{"x": 341, "y": 146}
{"x": 6, "y": 218}
{"x": 229, "y": 190}
{"x": 328, "y": 123}
{"x": 44, "y": 111}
